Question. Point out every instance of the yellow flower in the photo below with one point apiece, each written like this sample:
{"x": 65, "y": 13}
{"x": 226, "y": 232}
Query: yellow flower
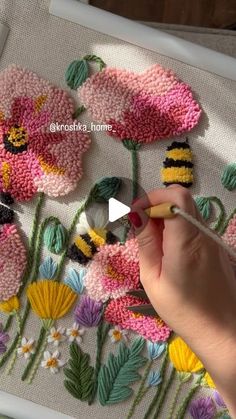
{"x": 49, "y": 299}
{"x": 11, "y": 305}
{"x": 207, "y": 378}
{"x": 183, "y": 359}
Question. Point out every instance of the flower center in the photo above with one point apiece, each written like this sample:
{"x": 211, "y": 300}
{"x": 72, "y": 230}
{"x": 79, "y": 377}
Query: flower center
{"x": 16, "y": 139}
{"x": 117, "y": 335}
{"x": 52, "y": 362}
{"x": 56, "y": 335}
{"x": 26, "y": 348}
{"x": 113, "y": 274}
{"x": 74, "y": 333}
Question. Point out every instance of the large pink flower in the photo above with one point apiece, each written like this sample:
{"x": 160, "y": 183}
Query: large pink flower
{"x": 230, "y": 234}
{"x": 143, "y": 107}
{"x": 12, "y": 261}
{"x": 113, "y": 271}
{"x": 152, "y": 328}
{"x": 33, "y": 159}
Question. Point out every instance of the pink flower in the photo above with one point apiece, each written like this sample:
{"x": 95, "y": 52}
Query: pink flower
{"x": 12, "y": 261}
{"x": 230, "y": 234}
{"x": 143, "y": 107}
{"x": 152, "y": 328}
{"x": 113, "y": 271}
{"x": 32, "y": 158}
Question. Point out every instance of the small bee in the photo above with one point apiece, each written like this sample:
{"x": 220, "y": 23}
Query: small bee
{"x": 178, "y": 166}
{"x": 91, "y": 234}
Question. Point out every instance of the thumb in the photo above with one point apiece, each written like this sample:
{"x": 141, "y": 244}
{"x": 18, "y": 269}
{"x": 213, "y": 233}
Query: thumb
{"x": 149, "y": 234}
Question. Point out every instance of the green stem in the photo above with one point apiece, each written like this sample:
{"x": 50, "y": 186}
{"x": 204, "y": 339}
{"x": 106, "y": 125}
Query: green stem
{"x": 220, "y": 413}
{"x": 33, "y": 357}
{"x": 134, "y": 155}
{"x": 221, "y": 217}
{"x": 141, "y": 390}
{"x": 31, "y": 251}
{"x": 184, "y": 405}
{"x": 101, "y": 337}
{"x": 159, "y": 388}
{"x": 164, "y": 393}
{"x": 225, "y": 225}
{"x": 175, "y": 400}
{"x": 11, "y": 364}
{"x": 41, "y": 349}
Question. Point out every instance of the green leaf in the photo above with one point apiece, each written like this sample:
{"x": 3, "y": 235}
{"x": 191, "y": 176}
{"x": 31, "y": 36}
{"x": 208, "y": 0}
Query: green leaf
{"x": 79, "y": 374}
{"x": 120, "y": 372}
{"x": 228, "y": 177}
{"x": 76, "y": 73}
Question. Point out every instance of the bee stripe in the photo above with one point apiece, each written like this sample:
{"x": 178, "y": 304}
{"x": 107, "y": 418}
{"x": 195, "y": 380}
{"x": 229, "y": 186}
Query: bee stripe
{"x": 178, "y": 175}
{"x": 179, "y": 154}
{"x": 86, "y": 237}
{"x": 98, "y": 236}
{"x": 178, "y": 144}
{"x": 83, "y": 246}
{"x": 177, "y": 163}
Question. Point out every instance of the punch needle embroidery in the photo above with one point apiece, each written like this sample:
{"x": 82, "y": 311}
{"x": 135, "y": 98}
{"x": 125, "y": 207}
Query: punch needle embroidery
{"x": 178, "y": 165}
{"x": 33, "y": 159}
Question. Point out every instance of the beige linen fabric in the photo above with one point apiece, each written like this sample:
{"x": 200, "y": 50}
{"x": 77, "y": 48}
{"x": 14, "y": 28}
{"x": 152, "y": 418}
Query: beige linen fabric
{"x": 47, "y": 45}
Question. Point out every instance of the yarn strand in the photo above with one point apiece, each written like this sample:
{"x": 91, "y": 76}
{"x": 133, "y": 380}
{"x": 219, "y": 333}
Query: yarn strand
{"x": 174, "y": 400}
{"x": 164, "y": 393}
{"x": 184, "y": 405}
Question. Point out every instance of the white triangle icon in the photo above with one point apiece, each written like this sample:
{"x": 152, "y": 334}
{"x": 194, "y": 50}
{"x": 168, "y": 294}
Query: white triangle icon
{"x": 116, "y": 209}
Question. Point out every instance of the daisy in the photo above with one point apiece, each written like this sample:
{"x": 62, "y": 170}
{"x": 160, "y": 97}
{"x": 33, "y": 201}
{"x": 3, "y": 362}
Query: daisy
{"x": 75, "y": 333}
{"x": 26, "y": 348}
{"x": 117, "y": 334}
{"x": 56, "y": 335}
{"x": 52, "y": 361}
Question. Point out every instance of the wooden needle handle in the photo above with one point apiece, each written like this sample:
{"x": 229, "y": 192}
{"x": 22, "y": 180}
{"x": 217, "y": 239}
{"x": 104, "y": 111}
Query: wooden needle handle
{"x": 161, "y": 211}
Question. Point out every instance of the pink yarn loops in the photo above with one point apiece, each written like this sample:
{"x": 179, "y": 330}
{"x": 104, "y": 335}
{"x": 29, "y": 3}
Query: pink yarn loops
{"x": 144, "y": 107}
{"x": 32, "y": 158}
{"x": 12, "y": 261}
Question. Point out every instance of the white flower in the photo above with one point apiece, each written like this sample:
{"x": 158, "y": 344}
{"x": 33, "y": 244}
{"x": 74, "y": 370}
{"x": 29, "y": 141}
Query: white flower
{"x": 117, "y": 334}
{"x": 56, "y": 335}
{"x": 52, "y": 361}
{"x": 26, "y": 348}
{"x": 75, "y": 333}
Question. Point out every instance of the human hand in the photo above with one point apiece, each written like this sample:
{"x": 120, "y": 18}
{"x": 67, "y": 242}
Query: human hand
{"x": 191, "y": 284}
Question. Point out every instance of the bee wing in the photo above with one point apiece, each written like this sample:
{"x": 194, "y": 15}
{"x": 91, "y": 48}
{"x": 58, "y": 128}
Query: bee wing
{"x": 84, "y": 224}
{"x": 100, "y": 218}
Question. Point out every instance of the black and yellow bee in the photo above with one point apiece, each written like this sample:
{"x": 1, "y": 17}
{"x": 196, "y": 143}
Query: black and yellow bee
{"x": 178, "y": 165}
{"x": 90, "y": 236}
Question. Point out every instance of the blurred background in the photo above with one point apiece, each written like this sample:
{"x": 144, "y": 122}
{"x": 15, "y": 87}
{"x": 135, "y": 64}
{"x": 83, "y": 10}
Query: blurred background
{"x": 201, "y": 13}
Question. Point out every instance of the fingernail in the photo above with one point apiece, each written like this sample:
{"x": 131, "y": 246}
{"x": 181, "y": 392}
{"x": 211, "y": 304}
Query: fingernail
{"x": 135, "y": 219}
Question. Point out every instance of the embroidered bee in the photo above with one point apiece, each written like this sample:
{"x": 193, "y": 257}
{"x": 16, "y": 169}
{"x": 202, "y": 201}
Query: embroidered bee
{"x": 178, "y": 165}
{"x": 91, "y": 234}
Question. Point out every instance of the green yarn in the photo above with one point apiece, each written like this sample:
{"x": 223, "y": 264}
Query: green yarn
{"x": 133, "y": 147}
{"x": 76, "y": 73}
{"x": 106, "y": 188}
{"x": 164, "y": 393}
{"x": 119, "y": 372}
{"x": 35, "y": 354}
{"x": 228, "y": 177}
{"x": 55, "y": 237}
{"x": 184, "y": 405}
{"x": 79, "y": 374}
{"x": 204, "y": 206}
{"x": 78, "y": 111}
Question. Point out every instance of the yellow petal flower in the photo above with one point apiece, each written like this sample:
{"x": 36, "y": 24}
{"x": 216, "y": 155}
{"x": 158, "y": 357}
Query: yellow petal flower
{"x": 49, "y": 299}
{"x": 182, "y": 357}
{"x": 209, "y": 380}
{"x": 13, "y": 304}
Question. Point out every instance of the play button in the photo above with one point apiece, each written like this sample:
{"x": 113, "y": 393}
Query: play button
{"x": 116, "y": 210}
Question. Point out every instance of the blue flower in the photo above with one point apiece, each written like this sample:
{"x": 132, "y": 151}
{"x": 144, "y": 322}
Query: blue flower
{"x": 156, "y": 349}
{"x": 75, "y": 280}
{"x": 154, "y": 378}
{"x": 48, "y": 268}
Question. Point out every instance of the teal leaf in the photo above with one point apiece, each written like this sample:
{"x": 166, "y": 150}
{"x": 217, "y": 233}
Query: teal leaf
{"x": 228, "y": 177}
{"x": 120, "y": 372}
{"x": 48, "y": 268}
{"x": 75, "y": 280}
{"x": 76, "y": 73}
{"x": 105, "y": 188}
{"x": 204, "y": 206}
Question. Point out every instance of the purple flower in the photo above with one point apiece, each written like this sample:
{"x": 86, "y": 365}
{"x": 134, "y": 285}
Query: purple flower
{"x": 4, "y": 338}
{"x": 202, "y": 408}
{"x": 88, "y": 312}
{"x": 218, "y": 399}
